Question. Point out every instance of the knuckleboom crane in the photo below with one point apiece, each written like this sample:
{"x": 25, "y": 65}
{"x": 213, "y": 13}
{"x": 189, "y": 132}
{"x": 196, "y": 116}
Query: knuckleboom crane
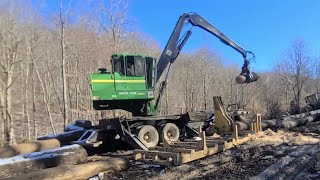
{"x": 120, "y": 89}
{"x": 175, "y": 45}
{"x": 131, "y": 83}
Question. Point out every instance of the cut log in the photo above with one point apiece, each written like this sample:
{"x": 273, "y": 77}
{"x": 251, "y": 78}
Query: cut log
{"x": 68, "y": 155}
{"x": 289, "y": 123}
{"x": 297, "y": 122}
{"x": 242, "y": 125}
{"x": 312, "y": 127}
{"x": 264, "y": 124}
{"x": 28, "y": 148}
{"x": 270, "y": 123}
{"x": 198, "y": 116}
{"x": 82, "y": 171}
{"x": 66, "y": 137}
{"x": 286, "y": 124}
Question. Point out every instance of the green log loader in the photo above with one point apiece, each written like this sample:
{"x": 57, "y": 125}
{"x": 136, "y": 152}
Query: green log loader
{"x": 130, "y": 86}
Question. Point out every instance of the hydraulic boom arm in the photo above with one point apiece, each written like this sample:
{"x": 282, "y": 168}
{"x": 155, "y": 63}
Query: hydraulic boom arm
{"x": 175, "y": 44}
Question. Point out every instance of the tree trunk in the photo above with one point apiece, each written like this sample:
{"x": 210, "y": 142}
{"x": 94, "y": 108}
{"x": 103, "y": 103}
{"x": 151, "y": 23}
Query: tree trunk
{"x": 82, "y": 171}
{"x": 77, "y": 89}
{"x": 69, "y": 155}
{"x": 45, "y": 97}
{"x": 10, "y": 124}
{"x": 63, "y": 66}
{"x": 204, "y": 93}
{"x": 26, "y": 103}
{"x": 35, "y": 132}
{"x": 28, "y": 148}
{"x": 3, "y": 123}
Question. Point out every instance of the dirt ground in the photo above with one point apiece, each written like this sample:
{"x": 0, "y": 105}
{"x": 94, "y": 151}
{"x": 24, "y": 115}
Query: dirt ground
{"x": 293, "y": 154}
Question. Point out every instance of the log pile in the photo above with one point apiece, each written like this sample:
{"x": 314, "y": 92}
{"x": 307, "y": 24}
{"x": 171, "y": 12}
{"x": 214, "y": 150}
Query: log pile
{"x": 198, "y": 116}
{"x": 70, "y": 162}
{"x": 286, "y": 122}
{"x": 82, "y": 171}
{"x": 292, "y": 121}
{"x": 69, "y": 155}
{"x": 25, "y": 148}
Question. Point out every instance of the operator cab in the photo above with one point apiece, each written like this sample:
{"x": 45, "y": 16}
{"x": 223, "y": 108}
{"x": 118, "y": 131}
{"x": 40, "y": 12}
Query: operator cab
{"x": 135, "y": 66}
{"x": 129, "y": 86}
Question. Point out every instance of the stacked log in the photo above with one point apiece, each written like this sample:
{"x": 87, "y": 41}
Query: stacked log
{"x": 25, "y": 148}
{"x": 69, "y": 155}
{"x": 298, "y": 122}
{"x": 198, "y": 116}
{"x": 82, "y": 171}
{"x": 285, "y": 123}
{"x": 291, "y": 121}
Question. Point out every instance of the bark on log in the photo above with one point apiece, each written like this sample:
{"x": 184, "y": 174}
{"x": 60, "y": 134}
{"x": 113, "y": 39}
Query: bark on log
{"x": 68, "y": 155}
{"x": 198, "y": 116}
{"x": 270, "y": 123}
{"x": 82, "y": 171}
{"x": 66, "y": 137}
{"x": 286, "y": 124}
{"x": 289, "y": 123}
{"x": 312, "y": 127}
{"x": 297, "y": 122}
{"x": 265, "y": 124}
{"x": 242, "y": 125}
{"x": 25, "y": 148}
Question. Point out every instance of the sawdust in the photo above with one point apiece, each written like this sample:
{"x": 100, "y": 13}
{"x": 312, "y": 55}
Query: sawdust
{"x": 284, "y": 137}
{"x": 242, "y": 162}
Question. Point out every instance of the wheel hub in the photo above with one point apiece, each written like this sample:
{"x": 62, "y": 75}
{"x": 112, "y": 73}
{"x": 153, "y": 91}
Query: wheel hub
{"x": 147, "y": 137}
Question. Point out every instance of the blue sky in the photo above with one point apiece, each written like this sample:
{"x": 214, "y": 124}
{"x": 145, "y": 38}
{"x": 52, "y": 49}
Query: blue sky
{"x": 265, "y": 27}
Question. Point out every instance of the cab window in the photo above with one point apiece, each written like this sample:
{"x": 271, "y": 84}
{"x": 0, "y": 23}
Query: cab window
{"x": 135, "y": 66}
{"x": 118, "y": 64}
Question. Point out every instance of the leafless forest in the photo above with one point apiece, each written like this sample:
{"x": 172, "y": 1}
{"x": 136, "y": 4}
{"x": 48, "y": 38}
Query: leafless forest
{"x": 46, "y": 59}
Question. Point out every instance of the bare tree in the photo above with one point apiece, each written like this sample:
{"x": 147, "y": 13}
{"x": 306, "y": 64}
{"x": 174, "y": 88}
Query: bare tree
{"x": 63, "y": 17}
{"x": 33, "y": 39}
{"x": 113, "y": 19}
{"x": 296, "y": 69}
{"x": 10, "y": 39}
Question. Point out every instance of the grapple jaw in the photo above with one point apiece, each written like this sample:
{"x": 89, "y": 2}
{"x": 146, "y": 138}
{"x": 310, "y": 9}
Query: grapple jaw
{"x": 246, "y": 76}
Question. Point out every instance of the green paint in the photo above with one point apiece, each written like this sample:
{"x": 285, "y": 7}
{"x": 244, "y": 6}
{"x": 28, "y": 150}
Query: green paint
{"x": 130, "y": 88}
{"x": 115, "y": 86}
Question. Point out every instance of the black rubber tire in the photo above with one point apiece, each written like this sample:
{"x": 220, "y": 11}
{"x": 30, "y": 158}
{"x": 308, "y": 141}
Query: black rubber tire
{"x": 149, "y": 136}
{"x": 170, "y": 130}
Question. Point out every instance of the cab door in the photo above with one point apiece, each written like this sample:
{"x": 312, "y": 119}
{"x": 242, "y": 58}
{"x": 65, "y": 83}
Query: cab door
{"x": 150, "y": 72}
{"x": 132, "y": 78}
